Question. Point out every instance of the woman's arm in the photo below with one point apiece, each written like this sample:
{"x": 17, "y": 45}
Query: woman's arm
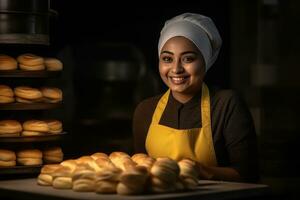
{"x": 218, "y": 173}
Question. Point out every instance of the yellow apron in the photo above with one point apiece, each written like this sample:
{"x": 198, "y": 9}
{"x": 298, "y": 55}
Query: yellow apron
{"x": 196, "y": 144}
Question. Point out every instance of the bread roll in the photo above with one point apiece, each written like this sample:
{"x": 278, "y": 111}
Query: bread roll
{"x": 53, "y": 155}
{"x": 165, "y": 169}
{"x": 7, "y": 158}
{"x": 5, "y": 99}
{"x": 71, "y": 163}
{"x": 6, "y": 91}
{"x": 22, "y": 100}
{"x": 53, "y": 64}
{"x": 52, "y": 93}
{"x": 97, "y": 155}
{"x": 55, "y": 126}
{"x": 28, "y": 93}
{"x": 36, "y": 125}
{"x": 31, "y": 62}
{"x": 8, "y": 62}
{"x": 84, "y": 180}
{"x": 188, "y": 173}
{"x": 8, "y": 127}
{"x": 32, "y": 133}
{"x": 62, "y": 178}
{"x": 30, "y": 161}
{"x": 29, "y": 153}
{"x": 106, "y": 187}
{"x": 45, "y": 177}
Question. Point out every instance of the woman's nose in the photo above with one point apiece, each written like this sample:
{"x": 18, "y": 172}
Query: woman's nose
{"x": 177, "y": 67}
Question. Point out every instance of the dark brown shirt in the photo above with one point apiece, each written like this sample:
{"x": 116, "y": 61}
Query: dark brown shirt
{"x": 232, "y": 126}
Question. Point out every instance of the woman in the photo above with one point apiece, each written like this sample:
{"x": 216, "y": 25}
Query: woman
{"x": 212, "y": 127}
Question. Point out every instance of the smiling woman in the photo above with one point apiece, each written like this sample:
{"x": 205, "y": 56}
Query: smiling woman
{"x": 193, "y": 120}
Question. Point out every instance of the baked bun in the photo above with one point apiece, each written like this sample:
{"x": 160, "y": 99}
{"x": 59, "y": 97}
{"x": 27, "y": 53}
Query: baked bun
{"x": 6, "y": 94}
{"x": 53, "y": 155}
{"x": 31, "y": 62}
{"x": 106, "y": 181}
{"x": 97, "y": 155}
{"x": 35, "y": 125}
{"x": 53, "y": 64}
{"x": 143, "y": 160}
{"x": 62, "y": 178}
{"x": 29, "y": 157}
{"x": 10, "y": 128}
{"x": 52, "y": 94}
{"x": 22, "y": 100}
{"x": 133, "y": 181}
{"x": 8, "y": 62}
{"x": 28, "y": 93}
{"x": 55, "y": 126}
{"x": 121, "y": 160}
{"x": 32, "y": 133}
{"x": 84, "y": 180}
{"x": 45, "y": 177}
{"x": 71, "y": 163}
{"x": 7, "y": 158}
{"x": 188, "y": 173}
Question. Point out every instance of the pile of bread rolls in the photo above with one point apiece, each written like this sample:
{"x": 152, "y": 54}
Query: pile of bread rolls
{"x": 27, "y": 94}
{"x": 14, "y": 128}
{"x": 30, "y": 157}
{"x": 30, "y": 62}
{"x": 119, "y": 173}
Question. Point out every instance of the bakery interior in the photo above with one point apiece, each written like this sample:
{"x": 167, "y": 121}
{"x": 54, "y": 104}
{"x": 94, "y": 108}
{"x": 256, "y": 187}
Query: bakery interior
{"x": 109, "y": 56}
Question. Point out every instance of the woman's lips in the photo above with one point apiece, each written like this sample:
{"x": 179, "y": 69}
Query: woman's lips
{"x": 178, "y": 80}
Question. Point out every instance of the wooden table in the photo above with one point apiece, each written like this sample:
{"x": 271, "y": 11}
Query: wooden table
{"x": 207, "y": 190}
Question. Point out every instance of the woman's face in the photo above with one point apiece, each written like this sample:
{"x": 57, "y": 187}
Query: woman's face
{"x": 182, "y": 68}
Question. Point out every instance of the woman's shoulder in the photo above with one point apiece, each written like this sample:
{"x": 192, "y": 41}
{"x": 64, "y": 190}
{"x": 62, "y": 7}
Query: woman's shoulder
{"x": 225, "y": 95}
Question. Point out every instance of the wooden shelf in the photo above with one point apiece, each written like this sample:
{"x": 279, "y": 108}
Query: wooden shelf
{"x": 28, "y": 74}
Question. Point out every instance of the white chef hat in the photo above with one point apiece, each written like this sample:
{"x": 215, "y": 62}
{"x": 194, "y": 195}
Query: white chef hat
{"x": 200, "y": 29}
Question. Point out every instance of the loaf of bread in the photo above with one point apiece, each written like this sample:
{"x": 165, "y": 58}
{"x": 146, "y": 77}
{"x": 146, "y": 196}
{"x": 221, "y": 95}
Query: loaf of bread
{"x": 8, "y": 62}
{"x": 6, "y": 94}
{"x": 7, "y": 158}
{"x": 30, "y": 62}
{"x": 45, "y": 177}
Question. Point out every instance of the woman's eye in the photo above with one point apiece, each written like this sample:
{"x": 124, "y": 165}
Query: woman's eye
{"x": 188, "y": 59}
{"x": 167, "y": 59}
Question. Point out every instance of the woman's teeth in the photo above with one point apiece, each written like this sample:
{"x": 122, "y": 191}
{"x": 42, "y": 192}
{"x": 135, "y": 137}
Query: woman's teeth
{"x": 178, "y": 80}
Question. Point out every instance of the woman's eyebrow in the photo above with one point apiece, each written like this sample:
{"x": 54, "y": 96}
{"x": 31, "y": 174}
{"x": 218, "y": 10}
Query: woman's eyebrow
{"x": 168, "y": 52}
{"x": 186, "y": 52}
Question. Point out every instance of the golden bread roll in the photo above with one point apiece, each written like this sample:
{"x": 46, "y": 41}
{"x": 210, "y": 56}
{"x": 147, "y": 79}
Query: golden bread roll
{"x": 106, "y": 187}
{"x": 97, "y": 155}
{"x": 110, "y": 174}
{"x": 71, "y": 163}
{"x": 30, "y": 161}
{"x": 28, "y": 93}
{"x": 53, "y": 155}
{"x": 62, "y": 178}
{"x": 119, "y": 158}
{"x": 7, "y": 155}
{"x": 165, "y": 169}
{"x": 83, "y": 180}
{"x": 133, "y": 181}
{"x": 22, "y": 100}
{"x": 10, "y": 163}
{"x": 29, "y": 153}
{"x": 52, "y": 93}
{"x": 5, "y": 99}
{"x": 53, "y": 64}
{"x": 55, "y": 126}
{"x": 84, "y": 159}
{"x": 188, "y": 168}
{"x": 7, "y": 158}
{"x": 32, "y": 67}
{"x": 36, "y": 125}
{"x": 30, "y": 59}
{"x": 45, "y": 177}
{"x": 6, "y": 91}
{"x": 104, "y": 164}
{"x": 31, "y": 133}
{"x": 138, "y": 156}
{"x": 8, "y": 62}
{"x": 8, "y": 127}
